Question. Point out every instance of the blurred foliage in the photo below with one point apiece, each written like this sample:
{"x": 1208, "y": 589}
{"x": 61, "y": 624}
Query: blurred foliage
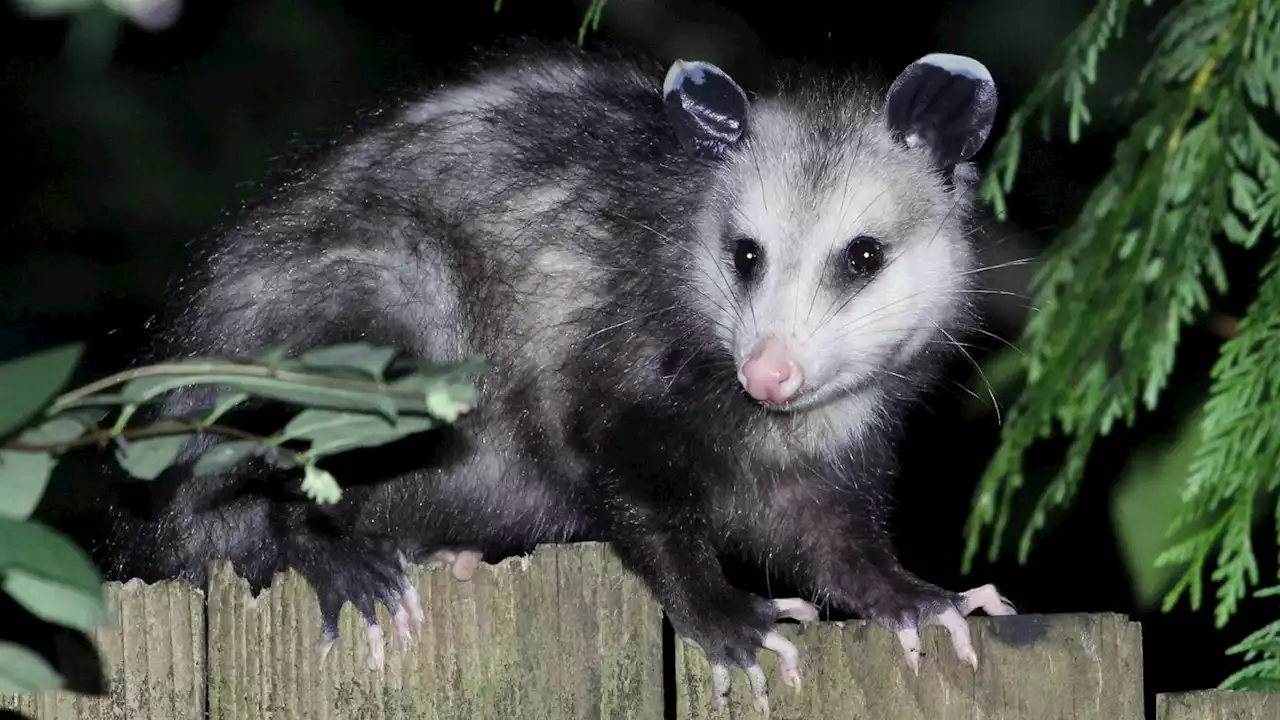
{"x": 1198, "y": 167}
{"x": 354, "y": 395}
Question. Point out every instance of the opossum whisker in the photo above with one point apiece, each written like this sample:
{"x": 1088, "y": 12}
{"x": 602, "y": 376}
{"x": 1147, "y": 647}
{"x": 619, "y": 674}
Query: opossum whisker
{"x": 823, "y": 275}
{"x": 684, "y": 248}
{"x": 998, "y": 266}
{"x": 831, "y": 315}
{"x": 942, "y": 223}
{"x": 990, "y": 390}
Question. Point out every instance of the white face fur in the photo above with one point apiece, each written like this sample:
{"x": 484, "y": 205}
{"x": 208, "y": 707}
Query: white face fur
{"x": 851, "y": 270}
{"x": 833, "y": 246}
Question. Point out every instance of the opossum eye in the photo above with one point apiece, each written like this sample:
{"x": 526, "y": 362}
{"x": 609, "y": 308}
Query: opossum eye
{"x": 747, "y": 255}
{"x": 864, "y": 256}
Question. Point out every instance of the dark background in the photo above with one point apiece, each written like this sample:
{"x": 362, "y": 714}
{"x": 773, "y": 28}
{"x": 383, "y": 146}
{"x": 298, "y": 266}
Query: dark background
{"x": 117, "y": 161}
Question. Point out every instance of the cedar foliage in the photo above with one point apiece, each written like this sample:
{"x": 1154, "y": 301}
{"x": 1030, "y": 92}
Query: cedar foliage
{"x": 1198, "y": 168}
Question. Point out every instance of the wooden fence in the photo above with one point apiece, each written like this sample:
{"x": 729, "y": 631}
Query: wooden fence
{"x": 567, "y": 633}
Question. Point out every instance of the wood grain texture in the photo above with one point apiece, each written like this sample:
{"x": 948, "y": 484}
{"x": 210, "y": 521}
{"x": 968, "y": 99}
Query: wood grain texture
{"x": 568, "y": 633}
{"x": 1030, "y": 667}
{"x": 1218, "y": 705}
{"x": 564, "y": 633}
{"x": 153, "y": 657}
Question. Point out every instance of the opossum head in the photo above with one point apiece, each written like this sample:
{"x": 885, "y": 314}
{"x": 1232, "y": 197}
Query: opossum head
{"x": 833, "y": 248}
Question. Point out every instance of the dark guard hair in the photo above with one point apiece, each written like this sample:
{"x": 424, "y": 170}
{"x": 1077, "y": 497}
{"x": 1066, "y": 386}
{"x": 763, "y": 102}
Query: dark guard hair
{"x": 630, "y": 254}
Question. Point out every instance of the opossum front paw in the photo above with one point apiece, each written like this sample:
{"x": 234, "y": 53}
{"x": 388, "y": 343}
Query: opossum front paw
{"x": 731, "y": 633}
{"x": 948, "y": 610}
{"x": 365, "y": 572}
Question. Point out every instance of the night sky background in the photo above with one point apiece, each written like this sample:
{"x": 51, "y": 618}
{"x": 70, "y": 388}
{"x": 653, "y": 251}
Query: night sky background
{"x": 118, "y": 160}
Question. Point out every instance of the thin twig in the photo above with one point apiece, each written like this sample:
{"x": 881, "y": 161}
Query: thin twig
{"x": 101, "y": 436}
{"x": 187, "y": 369}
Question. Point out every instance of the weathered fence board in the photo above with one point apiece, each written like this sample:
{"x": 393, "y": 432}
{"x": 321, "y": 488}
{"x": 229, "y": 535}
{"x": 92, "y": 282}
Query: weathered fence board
{"x": 1218, "y": 705}
{"x": 565, "y": 633}
{"x": 153, "y": 657}
{"x": 1030, "y": 667}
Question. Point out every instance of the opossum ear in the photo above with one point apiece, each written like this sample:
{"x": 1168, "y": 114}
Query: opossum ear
{"x": 706, "y": 107}
{"x": 945, "y": 102}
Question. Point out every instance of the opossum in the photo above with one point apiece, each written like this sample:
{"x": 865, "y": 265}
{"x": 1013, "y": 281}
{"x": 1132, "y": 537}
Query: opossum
{"x": 705, "y": 315}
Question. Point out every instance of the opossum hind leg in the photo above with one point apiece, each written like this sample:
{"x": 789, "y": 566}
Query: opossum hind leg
{"x": 366, "y": 572}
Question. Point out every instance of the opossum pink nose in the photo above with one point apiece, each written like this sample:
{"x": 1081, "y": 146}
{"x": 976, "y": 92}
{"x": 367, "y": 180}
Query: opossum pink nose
{"x": 770, "y": 373}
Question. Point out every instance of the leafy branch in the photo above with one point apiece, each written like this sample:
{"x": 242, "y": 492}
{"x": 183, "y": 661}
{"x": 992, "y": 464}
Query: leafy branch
{"x": 354, "y": 395}
{"x": 1141, "y": 260}
{"x": 1077, "y": 70}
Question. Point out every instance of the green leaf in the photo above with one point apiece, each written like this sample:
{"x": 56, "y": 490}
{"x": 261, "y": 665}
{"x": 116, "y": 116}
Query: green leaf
{"x": 1235, "y": 231}
{"x": 274, "y": 356}
{"x": 24, "y": 475}
{"x": 50, "y": 601}
{"x": 1143, "y": 506}
{"x": 96, "y": 400}
{"x": 308, "y": 395}
{"x": 224, "y": 455}
{"x": 64, "y": 427}
{"x": 278, "y": 458}
{"x": 320, "y": 486}
{"x": 24, "y": 671}
{"x": 57, "y": 582}
{"x": 23, "y": 478}
{"x": 449, "y": 401}
{"x": 145, "y": 459}
{"x": 333, "y": 432}
{"x": 224, "y": 405}
{"x": 448, "y": 390}
{"x": 30, "y": 383}
{"x": 362, "y": 357}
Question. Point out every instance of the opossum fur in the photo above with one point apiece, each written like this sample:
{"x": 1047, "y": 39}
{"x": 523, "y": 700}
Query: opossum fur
{"x": 705, "y": 314}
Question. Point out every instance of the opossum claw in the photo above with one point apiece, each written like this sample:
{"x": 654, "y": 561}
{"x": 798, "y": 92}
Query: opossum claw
{"x": 988, "y": 599}
{"x": 406, "y": 615}
{"x": 413, "y": 604}
{"x": 952, "y": 617}
{"x": 796, "y": 609}
{"x": 985, "y": 597}
{"x": 720, "y": 684}
{"x": 326, "y": 644}
{"x": 759, "y": 690}
{"x": 377, "y": 646}
{"x": 909, "y": 638}
{"x": 366, "y": 572}
{"x": 402, "y": 621}
{"x": 788, "y": 657}
{"x": 759, "y": 687}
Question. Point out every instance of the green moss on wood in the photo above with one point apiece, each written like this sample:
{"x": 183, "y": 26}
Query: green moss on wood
{"x": 1218, "y": 705}
{"x": 1031, "y": 667}
{"x": 565, "y": 633}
